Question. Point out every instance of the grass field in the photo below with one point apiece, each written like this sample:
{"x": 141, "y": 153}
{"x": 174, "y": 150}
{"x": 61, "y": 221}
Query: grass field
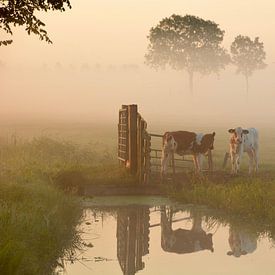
{"x": 35, "y": 214}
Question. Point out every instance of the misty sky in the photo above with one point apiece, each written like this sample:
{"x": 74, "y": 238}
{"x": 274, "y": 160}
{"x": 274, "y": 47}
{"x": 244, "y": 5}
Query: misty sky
{"x": 114, "y": 32}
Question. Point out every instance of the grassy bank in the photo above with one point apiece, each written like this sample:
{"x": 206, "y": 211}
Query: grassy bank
{"x": 37, "y": 219}
{"x": 251, "y": 199}
{"x": 37, "y": 227}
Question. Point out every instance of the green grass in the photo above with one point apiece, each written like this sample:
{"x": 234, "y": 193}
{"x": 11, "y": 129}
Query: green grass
{"x": 37, "y": 227}
{"x": 38, "y": 221}
{"x": 249, "y": 199}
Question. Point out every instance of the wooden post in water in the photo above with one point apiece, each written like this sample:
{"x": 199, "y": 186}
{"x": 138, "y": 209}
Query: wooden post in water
{"x": 132, "y": 130}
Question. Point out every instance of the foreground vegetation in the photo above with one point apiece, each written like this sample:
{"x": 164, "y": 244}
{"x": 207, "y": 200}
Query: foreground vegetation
{"x": 250, "y": 199}
{"x": 37, "y": 219}
{"x": 37, "y": 227}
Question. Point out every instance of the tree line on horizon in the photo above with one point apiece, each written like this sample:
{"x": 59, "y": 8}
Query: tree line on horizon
{"x": 186, "y": 43}
{"x": 192, "y": 44}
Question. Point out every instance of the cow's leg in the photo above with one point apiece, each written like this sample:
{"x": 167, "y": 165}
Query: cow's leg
{"x": 256, "y": 159}
{"x": 237, "y": 162}
{"x": 251, "y": 160}
{"x": 195, "y": 159}
{"x": 200, "y": 162}
{"x": 165, "y": 158}
{"x": 233, "y": 163}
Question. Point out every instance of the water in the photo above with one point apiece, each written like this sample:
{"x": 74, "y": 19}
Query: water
{"x": 155, "y": 236}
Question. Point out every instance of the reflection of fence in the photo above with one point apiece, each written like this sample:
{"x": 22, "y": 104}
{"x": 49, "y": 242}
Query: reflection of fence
{"x": 132, "y": 238}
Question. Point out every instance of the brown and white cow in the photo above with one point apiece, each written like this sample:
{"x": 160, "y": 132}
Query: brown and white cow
{"x": 244, "y": 140}
{"x": 185, "y": 143}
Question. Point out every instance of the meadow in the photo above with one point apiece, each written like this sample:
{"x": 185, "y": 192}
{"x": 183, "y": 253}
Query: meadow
{"x": 38, "y": 220}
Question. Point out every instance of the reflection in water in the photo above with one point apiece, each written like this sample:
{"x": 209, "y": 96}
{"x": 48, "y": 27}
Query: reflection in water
{"x": 121, "y": 238}
{"x": 132, "y": 238}
{"x": 182, "y": 240}
{"x": 241, "y": 241}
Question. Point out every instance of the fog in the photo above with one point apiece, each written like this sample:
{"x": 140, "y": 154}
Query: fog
{"x": 96, "y": 63}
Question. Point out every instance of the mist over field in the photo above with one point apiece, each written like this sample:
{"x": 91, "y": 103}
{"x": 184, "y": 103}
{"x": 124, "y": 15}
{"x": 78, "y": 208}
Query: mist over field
{"x": 95, "y": 95}
{"x": 96, "y": 63}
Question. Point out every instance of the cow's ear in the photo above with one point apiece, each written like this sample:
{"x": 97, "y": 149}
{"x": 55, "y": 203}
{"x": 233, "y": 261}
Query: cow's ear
{"x": 245, "y": 132}
{"x": 231, "y": 131}
{"x": 213, "y": 134}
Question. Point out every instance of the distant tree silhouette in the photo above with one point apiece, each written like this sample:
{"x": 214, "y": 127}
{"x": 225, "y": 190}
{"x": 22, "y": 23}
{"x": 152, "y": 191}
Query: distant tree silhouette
{"x": 187, "y": 43}
{"x": 22, "y": 13}
{"x": 248, "y": 56}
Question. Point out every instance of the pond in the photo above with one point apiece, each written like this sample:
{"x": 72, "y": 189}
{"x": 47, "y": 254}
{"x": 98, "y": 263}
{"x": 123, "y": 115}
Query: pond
{"x": 156, "y": 236}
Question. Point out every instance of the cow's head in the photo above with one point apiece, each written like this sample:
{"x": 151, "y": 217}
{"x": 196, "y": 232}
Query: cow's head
{"x": 237, "y": 135}
{"x": 169, "y": 144}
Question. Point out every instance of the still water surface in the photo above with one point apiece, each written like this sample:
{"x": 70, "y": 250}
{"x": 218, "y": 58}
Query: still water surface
{"x": 155, "y": 236}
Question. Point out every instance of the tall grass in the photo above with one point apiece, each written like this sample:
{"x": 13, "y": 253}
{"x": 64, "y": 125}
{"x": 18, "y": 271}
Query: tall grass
{"x": 250, "y": 199}
{"x": 37, "y": 227}
{"x": 37, "y": 220}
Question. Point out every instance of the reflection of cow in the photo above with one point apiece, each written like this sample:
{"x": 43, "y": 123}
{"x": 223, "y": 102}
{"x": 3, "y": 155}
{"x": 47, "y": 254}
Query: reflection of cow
{"x": 182, "y": 240}
{"x": 241, "y": 242}
{"x": 185, "y": 143}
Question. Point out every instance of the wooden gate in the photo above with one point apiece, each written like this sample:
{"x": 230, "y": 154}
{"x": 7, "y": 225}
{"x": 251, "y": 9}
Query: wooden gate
{"x": 133, "y": 143}
{"x": 138, "y": 150}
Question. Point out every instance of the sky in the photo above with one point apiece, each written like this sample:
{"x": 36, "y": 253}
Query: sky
{"x": 45, "y": 80}
{"x": 114, "y": 31}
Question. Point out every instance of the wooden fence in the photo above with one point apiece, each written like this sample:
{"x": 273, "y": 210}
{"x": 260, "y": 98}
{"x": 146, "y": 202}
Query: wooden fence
{"x": 140, "y": 151}
{"x": 134, "y": 143}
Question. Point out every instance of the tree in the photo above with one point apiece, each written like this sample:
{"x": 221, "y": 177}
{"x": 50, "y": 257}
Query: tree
{"x": 248, "y": 56}
{"x": 187, "y": 43}
{"x": 22, "y": 13}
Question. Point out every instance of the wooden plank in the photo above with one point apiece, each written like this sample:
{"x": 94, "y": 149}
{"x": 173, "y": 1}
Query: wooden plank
{"x": 139, "y": 147}
{"x": 132, "y": 126}
{"x": 156, "y": 135}
{"x": 122, "y": 159}
{"x": 176, "y": 159}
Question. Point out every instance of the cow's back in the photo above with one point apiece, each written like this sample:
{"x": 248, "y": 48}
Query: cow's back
{"x": 251, "y": 139}
{"x": 184, "y": 140}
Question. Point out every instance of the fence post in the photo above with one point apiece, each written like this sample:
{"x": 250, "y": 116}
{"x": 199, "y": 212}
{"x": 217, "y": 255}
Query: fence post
{"x": 173, "y": 167}
{"x": 147, "y": 151}
{"x": 132, "y": 130}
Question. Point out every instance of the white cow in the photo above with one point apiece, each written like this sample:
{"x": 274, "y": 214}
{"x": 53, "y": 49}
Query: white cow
{"x": 241, "y": 141}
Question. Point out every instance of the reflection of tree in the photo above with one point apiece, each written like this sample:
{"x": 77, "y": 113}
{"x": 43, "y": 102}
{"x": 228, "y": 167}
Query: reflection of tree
{"x": 182, "y": 240}
{"x": 241, "y": 242}
{"x": 132, "y": 238}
